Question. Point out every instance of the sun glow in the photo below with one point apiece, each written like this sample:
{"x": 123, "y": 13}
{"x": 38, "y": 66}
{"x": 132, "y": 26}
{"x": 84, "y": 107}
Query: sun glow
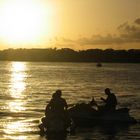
{"x": 23, "y": 21}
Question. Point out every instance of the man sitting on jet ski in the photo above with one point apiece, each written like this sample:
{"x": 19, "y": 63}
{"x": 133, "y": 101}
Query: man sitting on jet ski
{"x": 57, "y": 104}
{"x": 110, "y": 101}
{"x": 56, "y": 109}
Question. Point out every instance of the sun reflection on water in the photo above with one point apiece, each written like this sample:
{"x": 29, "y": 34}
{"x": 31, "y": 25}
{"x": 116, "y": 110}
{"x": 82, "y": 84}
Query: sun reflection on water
{"x": 16, "y": 106}
{"x": 16, "y": 138}
{"x": 17, "y": 86}
{"x": 18, "y": 76}
{"x": 13, "y": 128}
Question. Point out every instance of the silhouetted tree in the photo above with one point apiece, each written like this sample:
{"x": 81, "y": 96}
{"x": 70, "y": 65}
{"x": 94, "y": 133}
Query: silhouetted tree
{"x": 70, "y": 55}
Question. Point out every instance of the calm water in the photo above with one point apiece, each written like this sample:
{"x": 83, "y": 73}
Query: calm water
{"x": 25, "y": 87}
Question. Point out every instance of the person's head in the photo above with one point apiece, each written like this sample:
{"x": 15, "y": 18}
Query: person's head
{"x": 57, "y": 94}
{"x": 107, "y": 91}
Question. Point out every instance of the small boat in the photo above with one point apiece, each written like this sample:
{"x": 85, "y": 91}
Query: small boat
{"x": 84, "y": 115}
{"x": 99, "y": 65}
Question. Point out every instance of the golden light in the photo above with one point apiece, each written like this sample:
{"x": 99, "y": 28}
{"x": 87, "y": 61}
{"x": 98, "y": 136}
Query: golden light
{"x": 18, "y": 67}
{"x": 16, "y": 137}
{"x": 18, "y": 76}
{"x": 23, "y": 21}
{"x": 13, "y": 128}
{"x": 16, "y": 106}
{"x": 17, "y": 86}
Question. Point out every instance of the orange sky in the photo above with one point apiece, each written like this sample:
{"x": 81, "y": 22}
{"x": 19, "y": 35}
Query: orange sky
{"x": 77, "y": 24}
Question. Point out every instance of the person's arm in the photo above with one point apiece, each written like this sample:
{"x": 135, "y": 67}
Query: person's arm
{"x": 116, "y": 102}
{"x": 48, "y": 107}
{"x": 65, "y": 104}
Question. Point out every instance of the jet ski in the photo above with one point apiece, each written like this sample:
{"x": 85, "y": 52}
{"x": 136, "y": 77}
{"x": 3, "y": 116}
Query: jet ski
{"x": 58, "y": 124}
{"x": 85, "y": 115}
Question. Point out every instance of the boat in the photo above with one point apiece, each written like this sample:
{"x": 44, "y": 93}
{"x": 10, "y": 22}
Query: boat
{"x": 85, "y": 115}
{"x": 99, "y": 65}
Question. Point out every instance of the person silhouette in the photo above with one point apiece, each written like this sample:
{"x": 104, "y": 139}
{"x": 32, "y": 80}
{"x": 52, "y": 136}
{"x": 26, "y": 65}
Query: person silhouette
{"x": 55, "y": 110}
{"x": 57, "y": 104}
{"x": 110, "y": 101}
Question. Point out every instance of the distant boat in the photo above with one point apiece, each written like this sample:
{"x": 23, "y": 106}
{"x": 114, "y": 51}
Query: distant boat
{"x": 99, "y": 65}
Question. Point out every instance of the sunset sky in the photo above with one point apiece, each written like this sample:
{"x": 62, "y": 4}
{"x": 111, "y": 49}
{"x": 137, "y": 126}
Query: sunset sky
{"x": 76, "y": 24}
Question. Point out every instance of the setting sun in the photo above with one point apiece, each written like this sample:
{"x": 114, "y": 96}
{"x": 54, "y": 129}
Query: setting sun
{"x": 23, "y": 21}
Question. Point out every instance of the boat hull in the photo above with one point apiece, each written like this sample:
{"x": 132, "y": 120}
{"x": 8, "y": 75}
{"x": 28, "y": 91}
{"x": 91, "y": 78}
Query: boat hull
{"x": 90, "y": 117}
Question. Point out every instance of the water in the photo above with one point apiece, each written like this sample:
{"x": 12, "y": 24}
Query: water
{"x": 25, "y": 87}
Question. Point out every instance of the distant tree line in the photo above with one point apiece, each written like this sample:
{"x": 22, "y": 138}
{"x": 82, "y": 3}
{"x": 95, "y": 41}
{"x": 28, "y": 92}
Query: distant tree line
{"x": 69, "y": 55}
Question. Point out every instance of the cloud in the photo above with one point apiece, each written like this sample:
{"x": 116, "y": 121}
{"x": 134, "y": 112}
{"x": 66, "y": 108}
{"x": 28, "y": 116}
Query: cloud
{"x": 137, "y": 21}
{"x": 100, "y": 40}
{"x": 128, "y": 33}
{"x": 131, "y": 33}
{"x": 126, "y": 28}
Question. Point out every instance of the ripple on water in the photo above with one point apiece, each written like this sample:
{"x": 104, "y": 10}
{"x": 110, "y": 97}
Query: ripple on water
{"x": 26, "y": 88}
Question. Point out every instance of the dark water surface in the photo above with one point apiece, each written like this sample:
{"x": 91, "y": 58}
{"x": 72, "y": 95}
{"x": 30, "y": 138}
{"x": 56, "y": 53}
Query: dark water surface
{"x": 26, "y": 86}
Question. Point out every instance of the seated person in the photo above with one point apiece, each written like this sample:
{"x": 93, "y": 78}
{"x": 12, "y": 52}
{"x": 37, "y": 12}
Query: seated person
{"x": 110, "y": 101}
{"x": 57, "y": 104}
{"x": 57, "y": 109}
